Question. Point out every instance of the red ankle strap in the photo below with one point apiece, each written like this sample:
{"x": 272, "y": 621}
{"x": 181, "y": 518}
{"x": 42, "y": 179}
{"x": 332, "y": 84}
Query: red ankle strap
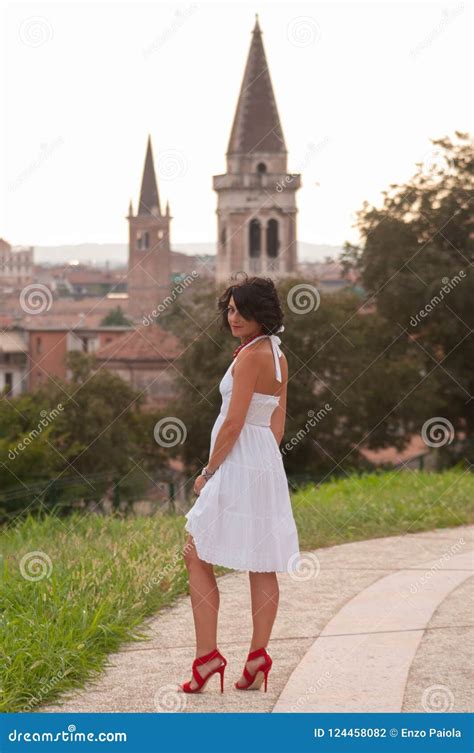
{"x": 207, "y": 657}
{"x": 255, "y": 654}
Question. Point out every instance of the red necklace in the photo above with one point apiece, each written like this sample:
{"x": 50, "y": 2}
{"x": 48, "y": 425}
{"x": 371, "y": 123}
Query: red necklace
{"x": 239, "y": 347}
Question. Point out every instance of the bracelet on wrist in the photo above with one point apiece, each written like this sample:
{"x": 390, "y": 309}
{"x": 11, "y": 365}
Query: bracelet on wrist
{"x": 206, "y": 473}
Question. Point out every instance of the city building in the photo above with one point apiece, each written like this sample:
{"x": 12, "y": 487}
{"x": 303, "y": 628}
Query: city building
{"x": 13, "y": 362}
{"x": 144, "y": 359}
{"x": 49, "y": 344}
{"x": 16, "y": 265}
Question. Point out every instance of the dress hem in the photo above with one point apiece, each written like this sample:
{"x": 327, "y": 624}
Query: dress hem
{"x": 243, "y": 568}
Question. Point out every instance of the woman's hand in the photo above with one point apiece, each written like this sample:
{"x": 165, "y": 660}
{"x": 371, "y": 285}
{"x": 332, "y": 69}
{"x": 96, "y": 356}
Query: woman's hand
{"x": 198, "y": 484}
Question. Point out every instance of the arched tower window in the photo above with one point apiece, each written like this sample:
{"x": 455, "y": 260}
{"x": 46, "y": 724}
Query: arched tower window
{"x": 223, "y": 240}
{"x": 272, "y": 239}
{"x": 143, "y": 240}
{"x": 254, "y": 238}
{"x": 261, "y": 168}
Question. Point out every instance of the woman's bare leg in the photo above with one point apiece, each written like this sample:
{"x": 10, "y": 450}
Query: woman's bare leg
{"x": 265, "y": 594}
{"x": 205, "y": 604}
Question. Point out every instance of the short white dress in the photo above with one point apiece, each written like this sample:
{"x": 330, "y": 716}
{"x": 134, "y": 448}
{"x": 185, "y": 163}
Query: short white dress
{"x": 242, "y": 518}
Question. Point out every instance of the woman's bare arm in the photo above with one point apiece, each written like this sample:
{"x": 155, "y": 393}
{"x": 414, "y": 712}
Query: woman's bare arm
{"x": 246, "y": 370}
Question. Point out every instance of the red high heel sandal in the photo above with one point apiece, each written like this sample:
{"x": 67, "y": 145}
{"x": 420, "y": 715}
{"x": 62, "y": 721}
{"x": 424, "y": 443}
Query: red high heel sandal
{"x": 254, "y": 681}
{"x": 201, "y": 681}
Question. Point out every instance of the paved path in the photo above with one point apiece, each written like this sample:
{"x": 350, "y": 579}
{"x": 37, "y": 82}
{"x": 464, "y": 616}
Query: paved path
{"x": 383, "y": 625}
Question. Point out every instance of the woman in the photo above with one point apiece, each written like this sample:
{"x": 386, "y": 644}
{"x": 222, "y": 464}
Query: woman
{"x": 242, "y": 518}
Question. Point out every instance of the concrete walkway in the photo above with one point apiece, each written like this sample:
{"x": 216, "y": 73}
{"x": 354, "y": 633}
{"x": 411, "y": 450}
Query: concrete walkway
{"x": 384, "y": 625}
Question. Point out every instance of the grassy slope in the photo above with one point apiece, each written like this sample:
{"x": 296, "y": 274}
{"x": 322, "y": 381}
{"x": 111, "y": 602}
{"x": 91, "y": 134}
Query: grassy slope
{"x": 382, "y": 505}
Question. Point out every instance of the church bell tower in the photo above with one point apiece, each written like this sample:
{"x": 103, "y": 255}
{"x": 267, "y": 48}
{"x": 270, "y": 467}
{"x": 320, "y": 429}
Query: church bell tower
{"x": 256, "y": 208}
{"x": 149, "y": 263}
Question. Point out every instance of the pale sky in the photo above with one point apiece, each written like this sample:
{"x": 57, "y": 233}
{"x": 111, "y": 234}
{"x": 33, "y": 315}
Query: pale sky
{"x": 360, "y": 88}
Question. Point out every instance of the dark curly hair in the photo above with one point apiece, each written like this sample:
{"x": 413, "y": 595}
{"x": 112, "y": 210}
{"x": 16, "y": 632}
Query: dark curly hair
{"x": 256, "y": 298}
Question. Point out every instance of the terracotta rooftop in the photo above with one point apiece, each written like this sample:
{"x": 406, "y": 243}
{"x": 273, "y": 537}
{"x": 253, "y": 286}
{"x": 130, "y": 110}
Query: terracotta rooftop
{"x": 63, "y": 321}
{"x": 87, "y": 276}
{"x": 144, "y": 343}
{"x": 391, "y": 456}
{"x": 6, "y": 320}
{"x": 63, "y": 312}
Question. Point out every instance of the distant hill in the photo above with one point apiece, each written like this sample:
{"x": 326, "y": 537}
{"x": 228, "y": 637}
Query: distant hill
{"x": 115, "y": 254}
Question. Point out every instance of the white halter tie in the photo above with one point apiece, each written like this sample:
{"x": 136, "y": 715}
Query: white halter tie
{"x": 275, "y": 343}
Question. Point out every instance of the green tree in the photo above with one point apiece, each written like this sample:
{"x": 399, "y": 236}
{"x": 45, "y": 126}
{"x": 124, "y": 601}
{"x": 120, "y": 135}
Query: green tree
{"x": 92, "y": 424}
{"x": 116, "y": 317}
{"x": 415, "y": 262}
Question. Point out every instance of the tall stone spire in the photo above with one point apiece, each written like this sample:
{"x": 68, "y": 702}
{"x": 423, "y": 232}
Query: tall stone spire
{"x": 149, "y": 197}
{"x": 256, "y": 126}
{"x": 256, "y": 204}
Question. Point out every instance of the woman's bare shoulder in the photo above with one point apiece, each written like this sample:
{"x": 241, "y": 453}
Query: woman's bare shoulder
{"x": 265, "y": 359}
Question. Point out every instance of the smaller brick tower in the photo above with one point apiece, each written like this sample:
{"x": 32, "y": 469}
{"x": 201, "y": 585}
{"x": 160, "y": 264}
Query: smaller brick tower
{"x": 149, "y": 263}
